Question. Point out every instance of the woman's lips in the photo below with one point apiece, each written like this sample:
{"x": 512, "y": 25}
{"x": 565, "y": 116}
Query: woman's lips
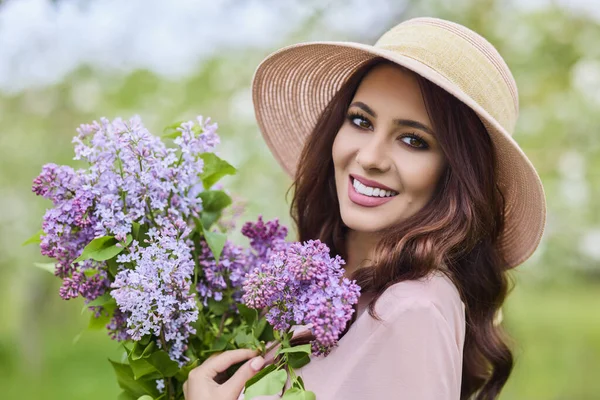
{"x": 364, "y": 200}
{"x": 368, "y": 182}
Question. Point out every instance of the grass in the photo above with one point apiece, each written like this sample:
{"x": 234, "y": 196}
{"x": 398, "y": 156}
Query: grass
{"x": 557, "y": 330}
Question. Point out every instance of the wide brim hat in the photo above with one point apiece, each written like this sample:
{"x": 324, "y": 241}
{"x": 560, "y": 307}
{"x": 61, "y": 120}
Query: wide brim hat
{"x": 292, "y": 86}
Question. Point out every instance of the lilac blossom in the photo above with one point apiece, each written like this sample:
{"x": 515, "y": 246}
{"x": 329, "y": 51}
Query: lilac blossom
{"x": 117, "y": 327}
{"x": 160, "y": 385}
{"x": 225, "y": 276}
{"x": 80, "y": 284}
{"x": 302, "y": 284}
{"x": 131, "y": 176}
{"x": 156, "y": 292}
{"x": 264, "y": 238}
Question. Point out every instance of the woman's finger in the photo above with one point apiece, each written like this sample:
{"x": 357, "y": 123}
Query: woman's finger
{"x": 185, "y": 390}
{"x": 235, "y": 384}
{"x": 221, "y": 362}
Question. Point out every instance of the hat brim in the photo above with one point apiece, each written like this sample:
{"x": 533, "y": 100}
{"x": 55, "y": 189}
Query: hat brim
{"x": 292, "y": 86}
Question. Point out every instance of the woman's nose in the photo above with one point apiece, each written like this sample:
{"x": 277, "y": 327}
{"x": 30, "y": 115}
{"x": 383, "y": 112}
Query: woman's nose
{"x": 373, "y": 154}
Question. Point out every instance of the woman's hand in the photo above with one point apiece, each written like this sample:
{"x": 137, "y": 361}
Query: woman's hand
{"x": 201, "y": 384}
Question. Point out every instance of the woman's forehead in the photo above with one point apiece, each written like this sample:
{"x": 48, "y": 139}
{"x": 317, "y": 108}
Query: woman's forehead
{"x": 393, "y": 92}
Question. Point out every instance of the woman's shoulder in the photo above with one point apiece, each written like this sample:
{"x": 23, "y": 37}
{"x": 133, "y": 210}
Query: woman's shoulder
{"x": 435, "y": 294}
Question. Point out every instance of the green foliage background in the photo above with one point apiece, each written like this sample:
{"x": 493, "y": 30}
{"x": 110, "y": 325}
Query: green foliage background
{"x": 553, "y": 312}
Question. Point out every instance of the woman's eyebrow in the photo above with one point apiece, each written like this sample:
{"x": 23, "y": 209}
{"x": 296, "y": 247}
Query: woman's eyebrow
{"x": 400, "y": 122}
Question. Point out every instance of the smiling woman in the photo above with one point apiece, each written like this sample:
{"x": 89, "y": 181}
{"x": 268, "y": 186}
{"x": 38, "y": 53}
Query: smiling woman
{"x": 385, "y": 152}
{"x": 404, "y": 165}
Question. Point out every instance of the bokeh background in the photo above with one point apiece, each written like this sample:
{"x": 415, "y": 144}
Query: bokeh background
{"x": 63, "y": 63}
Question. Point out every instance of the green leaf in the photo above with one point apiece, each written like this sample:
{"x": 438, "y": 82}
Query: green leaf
{"x": 142, "y": 368}
{"x": 102, "y": 249}
{"x": 298, "y": 360}
{"x": 217, "y": 307}
{"x": 161, "y": 361}
{"x": 113, "y": 267}
{"x": 248, "y": 314}
{"x": 141, "y": 351}
{"x": 270, "y": 384}
{"x": 96, "y": 324}
{"x": 135, "y": 229}
{"x": 102, "y": 300}
{"x": 299, "y": 383}
{"x": 208, "y": 218}
{"x": 90, "y": 272}
{"x": 106, "y": 300}
{"x": 221, "y": 342}
{"x": 267, "y": 335}
{"x": 263, "y": 372}
{"x": 305, "y": 348}
{"x": 138, "y": 358}
{"x": 258, "y": 327}
{"x": 50, "y": 267}
{"x": 126, "y": 396}
{"x": 35, "y": 238}
{"x": 214, "y": 169}
{"x": 132, "y": 386}
{"x": 214, "y": 200}
{"x": 139, "y": 234}
{"x": 148, "y": 350}
{"x": 171, "y": 131}
{"x": 104, "y": 318}
{"x": 145, "y": 397}
{"x": 216, "y": 242}
{"x": 243, "y": 339}
{"x": 298, "y": 394}
{"x": 183, "y": 373}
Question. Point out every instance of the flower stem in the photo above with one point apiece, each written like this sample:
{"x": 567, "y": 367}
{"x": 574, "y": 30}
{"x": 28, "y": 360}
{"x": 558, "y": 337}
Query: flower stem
{"x": 272, "y": 347}
{"x": 168, "y": 385}
{"x": 222, "y": 325}
{"x": 150, "y": 211}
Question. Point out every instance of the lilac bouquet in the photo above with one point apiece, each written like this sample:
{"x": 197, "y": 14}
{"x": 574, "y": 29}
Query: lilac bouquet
{"x": 136, "y": 232}
{"x": 295, "y": 284}
{"x": 140, "y": 233}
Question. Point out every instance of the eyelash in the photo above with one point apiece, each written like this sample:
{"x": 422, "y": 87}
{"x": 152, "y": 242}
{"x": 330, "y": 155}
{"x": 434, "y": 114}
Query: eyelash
{"x": 414, "y": 135}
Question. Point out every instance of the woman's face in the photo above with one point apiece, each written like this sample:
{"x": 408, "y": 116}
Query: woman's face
{"x": 386, "y": 158}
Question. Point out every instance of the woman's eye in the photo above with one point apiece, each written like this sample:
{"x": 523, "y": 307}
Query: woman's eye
{"x": 414, "y": 141}
{"x": 359, "y": 121}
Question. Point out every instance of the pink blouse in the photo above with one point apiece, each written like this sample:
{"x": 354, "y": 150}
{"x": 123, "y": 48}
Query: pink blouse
{"x": 414, "y": 353}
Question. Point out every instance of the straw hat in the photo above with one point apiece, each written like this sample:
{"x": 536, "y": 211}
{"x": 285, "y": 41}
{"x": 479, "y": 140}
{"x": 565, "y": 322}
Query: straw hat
{"x": 292, "y": 86}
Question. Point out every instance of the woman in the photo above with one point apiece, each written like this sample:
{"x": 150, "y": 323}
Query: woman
{"x": 405, "y": 166}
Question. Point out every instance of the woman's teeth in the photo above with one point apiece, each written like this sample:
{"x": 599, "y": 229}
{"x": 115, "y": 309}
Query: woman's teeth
{"x": 370, "y": 191}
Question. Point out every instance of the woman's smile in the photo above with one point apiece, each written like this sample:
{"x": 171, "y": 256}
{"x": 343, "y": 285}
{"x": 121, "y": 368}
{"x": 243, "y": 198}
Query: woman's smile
{"x": 371, "y": 195}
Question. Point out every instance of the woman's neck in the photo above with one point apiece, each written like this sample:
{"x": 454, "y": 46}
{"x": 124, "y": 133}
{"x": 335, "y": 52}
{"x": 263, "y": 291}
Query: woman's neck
{"x": 359, "y": 249}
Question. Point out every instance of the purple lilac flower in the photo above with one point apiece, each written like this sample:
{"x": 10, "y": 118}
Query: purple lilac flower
{"x": 130, "y": 176}
{"x": 304, "y": 285}
{"x": 160, "y": 385}
{"x": 225, "y": 276}
{"x": 117, "y": 327}
{"x": 88, "y": 287}
{"x": 156, "y": 293}
{"x": 131, "y": 170}
{"x": 264, "y": 238}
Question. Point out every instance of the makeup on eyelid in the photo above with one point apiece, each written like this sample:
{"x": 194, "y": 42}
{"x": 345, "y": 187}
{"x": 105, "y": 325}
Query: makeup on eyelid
{"x": 353, "y": 114}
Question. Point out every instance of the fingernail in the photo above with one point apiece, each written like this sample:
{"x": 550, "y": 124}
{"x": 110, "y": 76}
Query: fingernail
{"x": 257, "y": 363}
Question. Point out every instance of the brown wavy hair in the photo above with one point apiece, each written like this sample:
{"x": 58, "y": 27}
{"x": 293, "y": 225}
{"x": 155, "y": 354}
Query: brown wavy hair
{"x": 459, "y": 227}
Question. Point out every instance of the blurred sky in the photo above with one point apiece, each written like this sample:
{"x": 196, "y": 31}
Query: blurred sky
{"x": 43, "y": 41}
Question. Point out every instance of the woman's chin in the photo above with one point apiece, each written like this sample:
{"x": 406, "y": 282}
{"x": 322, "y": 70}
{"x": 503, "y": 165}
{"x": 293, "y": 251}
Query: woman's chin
{"x": 364, "y": 223}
